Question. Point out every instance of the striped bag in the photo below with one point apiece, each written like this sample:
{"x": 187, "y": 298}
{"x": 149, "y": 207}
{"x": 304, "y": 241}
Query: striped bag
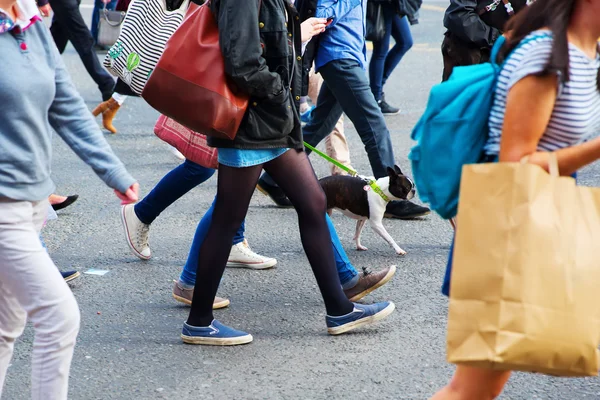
{"x": 144, "y": 34}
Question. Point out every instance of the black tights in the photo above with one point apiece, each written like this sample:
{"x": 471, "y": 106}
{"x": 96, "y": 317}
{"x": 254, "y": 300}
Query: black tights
{"x": 294, "y": 174}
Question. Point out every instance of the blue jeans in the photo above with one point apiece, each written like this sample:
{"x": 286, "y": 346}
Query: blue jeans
{"x": 384, "y": 60}
{"x": 346, "y": 271}
{"x": 173, "y": 186}
{"x": 98, "y": 6}
{"x": 346, "y": 90}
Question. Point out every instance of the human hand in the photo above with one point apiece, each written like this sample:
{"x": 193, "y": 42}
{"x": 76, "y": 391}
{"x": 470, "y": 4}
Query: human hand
{"x": 130, "y": 196}
{"x": 45, "y": 10}
{"x": 106, "y": 1}
{"x": 312, "y": 27}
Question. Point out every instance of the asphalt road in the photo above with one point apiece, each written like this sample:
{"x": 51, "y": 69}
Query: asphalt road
{"x": 129, "y": 345}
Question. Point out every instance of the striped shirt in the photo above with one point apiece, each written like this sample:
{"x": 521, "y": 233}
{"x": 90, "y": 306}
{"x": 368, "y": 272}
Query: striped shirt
{"x": 576, "y": 114}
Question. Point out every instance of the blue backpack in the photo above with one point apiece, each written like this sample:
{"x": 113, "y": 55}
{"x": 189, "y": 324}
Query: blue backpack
{"x": 453, "y": 131}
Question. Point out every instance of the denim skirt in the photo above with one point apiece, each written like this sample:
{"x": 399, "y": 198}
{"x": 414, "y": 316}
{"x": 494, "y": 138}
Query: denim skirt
{"x": 241, "y": 158}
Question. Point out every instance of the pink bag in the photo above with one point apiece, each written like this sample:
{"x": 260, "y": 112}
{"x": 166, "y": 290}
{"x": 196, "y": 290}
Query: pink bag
{"x": 191, "y": 144}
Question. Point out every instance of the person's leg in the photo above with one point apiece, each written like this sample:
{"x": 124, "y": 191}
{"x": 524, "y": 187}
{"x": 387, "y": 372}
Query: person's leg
{"x": 36, "y": 285}
{"x": 137, "y": 218}
{"x": 235, "y": 189}
{"x": 296, "y": 177}
{"x": 404, "y": 41}
{"x": 348, "y": 83}
{"x": 346, "y": 271}
{"x": 98, "y": 7}
{"x": 171, "y": 187}
{"x": 380, "y": 51}
{"x": 58, "y": 31}
{"x": 68, "y": 14}
{"x": 110, "y": 107}
{"x": 336, "y": 146}
{"x": 12, "y": 323}
{"x": 470, "y": 383}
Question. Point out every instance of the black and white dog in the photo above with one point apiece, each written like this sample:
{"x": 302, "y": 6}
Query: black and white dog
{"x": 355, "y": 198}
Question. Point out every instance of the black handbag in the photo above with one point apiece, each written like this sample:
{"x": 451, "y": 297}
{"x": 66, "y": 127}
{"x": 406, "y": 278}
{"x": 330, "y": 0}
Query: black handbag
{"x": 375, "y": 27}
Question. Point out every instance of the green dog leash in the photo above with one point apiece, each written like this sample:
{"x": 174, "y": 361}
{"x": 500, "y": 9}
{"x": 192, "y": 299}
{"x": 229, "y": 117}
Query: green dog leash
{"x": 372, "y": 182}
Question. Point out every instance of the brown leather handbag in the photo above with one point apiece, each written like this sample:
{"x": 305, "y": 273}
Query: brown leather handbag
{"x": 189, "y": 83}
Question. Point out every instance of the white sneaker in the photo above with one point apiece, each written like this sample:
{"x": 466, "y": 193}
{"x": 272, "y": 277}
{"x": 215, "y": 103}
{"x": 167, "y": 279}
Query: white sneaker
{"x": 242, "y": 256}
{"x": 136, "y": 232}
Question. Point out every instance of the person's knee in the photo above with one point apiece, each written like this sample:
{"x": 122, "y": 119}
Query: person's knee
{"x": 316, "y": 206}
{"x": 408, "y": 43}
{"x": 71, "y": 317}
{"x": 60, "y": 321}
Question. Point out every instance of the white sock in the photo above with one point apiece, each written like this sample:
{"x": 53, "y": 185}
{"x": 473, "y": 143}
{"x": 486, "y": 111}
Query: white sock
{"x": 119, "y": 98}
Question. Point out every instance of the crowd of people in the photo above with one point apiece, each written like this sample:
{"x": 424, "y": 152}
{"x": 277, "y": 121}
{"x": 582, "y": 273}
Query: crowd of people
{"x": 547, "y": 100}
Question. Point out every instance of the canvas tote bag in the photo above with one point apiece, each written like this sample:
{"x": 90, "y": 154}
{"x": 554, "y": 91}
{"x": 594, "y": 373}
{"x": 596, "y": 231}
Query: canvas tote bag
{"x": 525, "y": 285}
{"x": 144, "y": 34}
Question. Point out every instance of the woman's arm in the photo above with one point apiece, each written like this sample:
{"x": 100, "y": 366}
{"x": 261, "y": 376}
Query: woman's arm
{"x": 71, "y": 119}
{"x": 336, "y": 9}
{"x": 529, "y": 106}
{"x": 239, "y": 38}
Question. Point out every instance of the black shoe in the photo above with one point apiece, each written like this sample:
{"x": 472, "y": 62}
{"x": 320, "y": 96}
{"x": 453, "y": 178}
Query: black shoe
{"x": 404, "y": 209}
{"x": 68, "y": 276}
{"x": 387, "y": 109}
{"x": 70, "y": 200}
{"x": 275, "y": 193}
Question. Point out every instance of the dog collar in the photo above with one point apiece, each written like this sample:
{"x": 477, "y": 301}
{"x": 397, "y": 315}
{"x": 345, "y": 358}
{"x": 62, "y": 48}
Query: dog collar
{"x": 378, "y": 190}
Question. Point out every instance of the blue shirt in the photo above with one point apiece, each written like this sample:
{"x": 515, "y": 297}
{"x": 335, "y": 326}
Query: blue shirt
{"x": 345, "y": 36}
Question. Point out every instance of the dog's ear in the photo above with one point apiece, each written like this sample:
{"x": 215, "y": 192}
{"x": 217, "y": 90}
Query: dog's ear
{"x": 398, "y": 170}
{"x": 391, "y": 173}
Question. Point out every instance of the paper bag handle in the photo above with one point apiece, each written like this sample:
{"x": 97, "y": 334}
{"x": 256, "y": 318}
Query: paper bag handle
{"x": 552, "y": 164}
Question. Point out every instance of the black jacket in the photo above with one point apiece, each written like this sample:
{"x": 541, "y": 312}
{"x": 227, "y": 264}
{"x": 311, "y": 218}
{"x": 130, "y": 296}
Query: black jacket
{"x": 462, "y": 20}
{"x": 262, "y": 53}
{"x": 410, "y": 9}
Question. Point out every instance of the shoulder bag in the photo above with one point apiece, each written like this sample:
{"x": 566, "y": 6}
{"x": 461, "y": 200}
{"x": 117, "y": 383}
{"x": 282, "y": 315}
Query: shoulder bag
{"x": 189, "y": 83}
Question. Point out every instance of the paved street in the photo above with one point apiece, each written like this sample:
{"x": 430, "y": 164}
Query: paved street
{"x": 129, "y": 345}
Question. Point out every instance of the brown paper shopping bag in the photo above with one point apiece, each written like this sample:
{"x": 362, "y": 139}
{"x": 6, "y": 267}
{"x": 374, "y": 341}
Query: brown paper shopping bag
{"x": 525, "y": 286}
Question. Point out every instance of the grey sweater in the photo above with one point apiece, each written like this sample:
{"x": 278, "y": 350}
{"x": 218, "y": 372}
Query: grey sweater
{"x": 36, "y": 95}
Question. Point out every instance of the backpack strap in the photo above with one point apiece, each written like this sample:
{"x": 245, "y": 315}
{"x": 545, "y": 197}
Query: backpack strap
{"x": 502, "y": 40}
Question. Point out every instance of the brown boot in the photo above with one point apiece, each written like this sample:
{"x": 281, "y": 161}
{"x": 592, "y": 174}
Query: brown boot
{"x": 108, "y": 109}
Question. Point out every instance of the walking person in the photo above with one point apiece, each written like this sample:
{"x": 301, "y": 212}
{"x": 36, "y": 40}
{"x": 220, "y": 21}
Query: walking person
{"x": 38, "y": 97}
{"x": 68, "y": 25}
{"x": 547, "y": 101}
{"x": 472, "y": 31}
{"x": 252, "y": 45}
{"x": 384, "y": 60}
{"x": 100, "y": 6}
{"x": 341, "y": 58}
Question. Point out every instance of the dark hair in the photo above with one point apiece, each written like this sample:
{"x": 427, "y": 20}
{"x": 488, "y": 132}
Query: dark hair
{"x": 554, "y": 15}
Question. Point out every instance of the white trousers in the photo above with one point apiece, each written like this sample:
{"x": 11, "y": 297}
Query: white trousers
{"x": 32, "y": 288}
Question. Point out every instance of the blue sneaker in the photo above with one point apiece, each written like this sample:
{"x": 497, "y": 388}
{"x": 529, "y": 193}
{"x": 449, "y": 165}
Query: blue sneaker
{"x": 305, "y": 116}
{"x": 362, "y": 315}
{"x": 216, "y": 334}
